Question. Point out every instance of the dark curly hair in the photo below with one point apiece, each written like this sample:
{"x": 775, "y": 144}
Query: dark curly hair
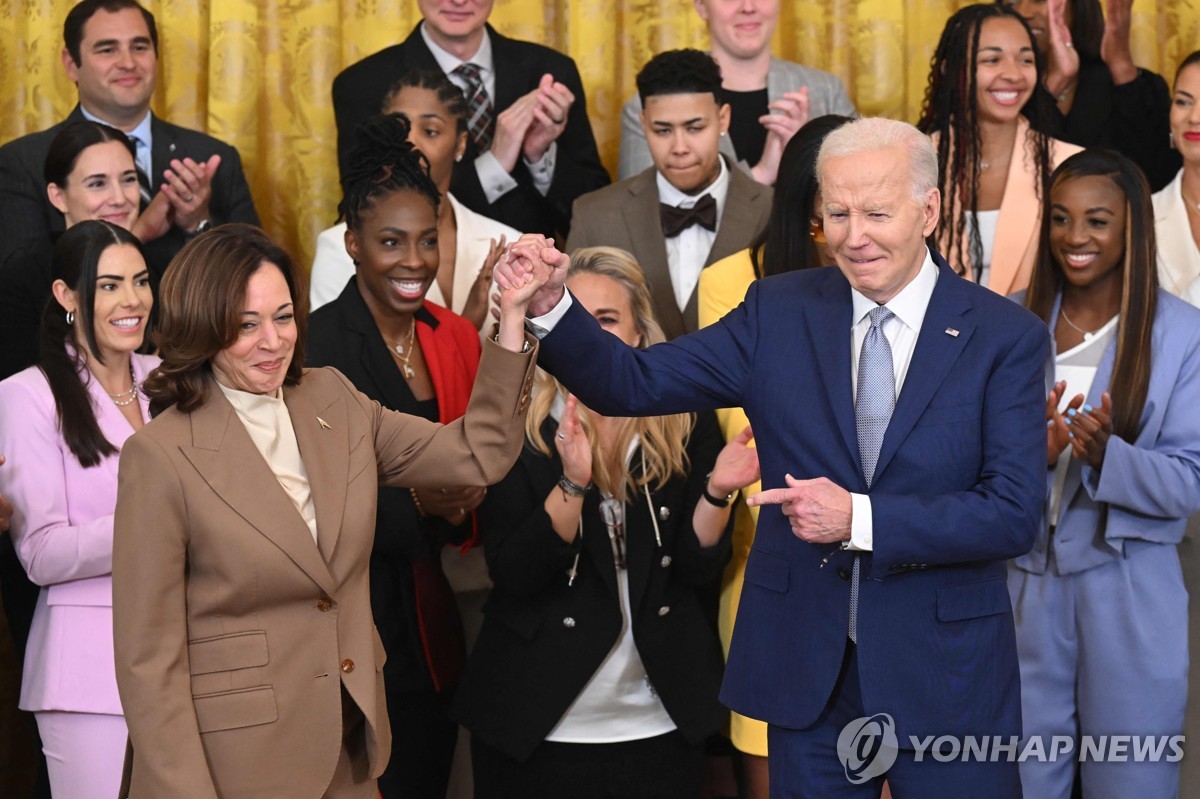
{"x": 382, "y": 161}
{"x": 685, "y": 71}
{"x": 951, "y": 111}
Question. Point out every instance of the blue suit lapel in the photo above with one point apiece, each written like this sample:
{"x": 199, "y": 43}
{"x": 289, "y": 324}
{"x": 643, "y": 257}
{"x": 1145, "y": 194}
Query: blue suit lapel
{"x": 936, "y": 353}
{"x": 829, "y": 318}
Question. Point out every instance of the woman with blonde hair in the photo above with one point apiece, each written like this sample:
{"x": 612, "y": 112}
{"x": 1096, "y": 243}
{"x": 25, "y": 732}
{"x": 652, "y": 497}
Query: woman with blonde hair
{"x": 596, "y": 671}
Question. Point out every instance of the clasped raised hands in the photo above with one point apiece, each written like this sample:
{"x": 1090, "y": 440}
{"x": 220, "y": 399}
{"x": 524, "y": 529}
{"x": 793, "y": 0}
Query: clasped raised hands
{"x": 534, "y": 272}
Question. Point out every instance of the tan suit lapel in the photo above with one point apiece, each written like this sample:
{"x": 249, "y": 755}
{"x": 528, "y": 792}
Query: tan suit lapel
{"x": 1019, "y": 215}
{"x": 325, "y": 451}
{"x": 225, "y": 456}
{"x": 642, "y": 221}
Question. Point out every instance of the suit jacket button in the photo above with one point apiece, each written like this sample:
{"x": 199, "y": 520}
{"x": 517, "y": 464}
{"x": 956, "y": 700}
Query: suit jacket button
{"x": 843, "y": 573}
{"x": 666, "y": 561}
{"x": 569, "y": 622}
{"x": 347, "y": 665}
{"x": 324, "y": 605}
{"x": 664, "y": 610}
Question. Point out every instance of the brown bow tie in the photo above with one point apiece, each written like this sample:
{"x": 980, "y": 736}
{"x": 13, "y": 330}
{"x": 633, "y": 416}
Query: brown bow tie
{"x": 676, "y": 220}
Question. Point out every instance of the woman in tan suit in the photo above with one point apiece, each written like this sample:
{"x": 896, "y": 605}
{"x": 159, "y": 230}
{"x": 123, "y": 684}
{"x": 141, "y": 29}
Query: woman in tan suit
{"x": 247, "y": 661}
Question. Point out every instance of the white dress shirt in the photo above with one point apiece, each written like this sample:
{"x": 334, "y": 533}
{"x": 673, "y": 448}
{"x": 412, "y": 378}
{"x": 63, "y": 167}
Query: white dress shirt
{"x": 493, "y": 177}
{"x": 688, "y": 252}
{"x": 901, "y": 331}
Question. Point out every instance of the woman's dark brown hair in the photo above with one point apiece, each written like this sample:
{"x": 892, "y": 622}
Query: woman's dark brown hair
{"x": 61, "y": 352}
{"x": 200, "y": 306}
{"x": 1139, "y": 278}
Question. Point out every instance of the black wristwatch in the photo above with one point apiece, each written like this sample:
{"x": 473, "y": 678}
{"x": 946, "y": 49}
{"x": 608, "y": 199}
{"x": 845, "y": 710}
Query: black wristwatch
{"x": 717, "y": 501}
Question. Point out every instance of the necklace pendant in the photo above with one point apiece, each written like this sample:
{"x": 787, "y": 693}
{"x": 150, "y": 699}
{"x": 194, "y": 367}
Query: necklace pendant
{"x": 399, "y": 348}
{"x": 409, "y": 374}
{"x": 1088, "y": 336}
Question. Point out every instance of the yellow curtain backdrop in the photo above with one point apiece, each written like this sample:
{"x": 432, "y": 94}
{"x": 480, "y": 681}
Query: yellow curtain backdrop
{"x": 256, "y": 73}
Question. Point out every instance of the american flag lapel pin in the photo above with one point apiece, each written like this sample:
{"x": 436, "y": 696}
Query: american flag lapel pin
{"x": 951, "y": 332}
{"x": 324, "y": 423}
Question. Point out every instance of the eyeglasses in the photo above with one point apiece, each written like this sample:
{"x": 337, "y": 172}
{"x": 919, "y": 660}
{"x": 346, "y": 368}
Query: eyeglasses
{"x": 612, "y": 510}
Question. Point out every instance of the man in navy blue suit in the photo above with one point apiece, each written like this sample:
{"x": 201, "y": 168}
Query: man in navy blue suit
{"x": 899, "y": 415}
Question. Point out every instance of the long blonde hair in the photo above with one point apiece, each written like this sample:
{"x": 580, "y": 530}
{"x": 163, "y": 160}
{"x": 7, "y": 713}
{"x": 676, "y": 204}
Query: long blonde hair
{"x": 663, "y": 439}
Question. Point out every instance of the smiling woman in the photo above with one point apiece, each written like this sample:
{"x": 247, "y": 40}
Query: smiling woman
{"x": 989, "y": 126}
{"x": 411, "y": 355}
{"x": 62, "y": 426}
{"x": 246, "y": 517}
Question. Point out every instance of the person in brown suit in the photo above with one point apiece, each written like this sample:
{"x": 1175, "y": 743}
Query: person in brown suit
{"x": 247, "y": 660}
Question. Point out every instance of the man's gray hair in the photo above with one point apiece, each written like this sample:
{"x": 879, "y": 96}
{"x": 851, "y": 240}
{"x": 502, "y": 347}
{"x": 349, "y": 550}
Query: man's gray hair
{"x": 869, "y": 134}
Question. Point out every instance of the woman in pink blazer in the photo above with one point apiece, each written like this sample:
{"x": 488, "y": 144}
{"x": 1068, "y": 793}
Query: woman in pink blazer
{"x": 62, "y": 424}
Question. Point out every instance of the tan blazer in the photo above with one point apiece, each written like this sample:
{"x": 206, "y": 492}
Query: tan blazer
{"x": 626, "y": 215}
{"x": 235, "y": 634}
{"x": 1017, "y": 227}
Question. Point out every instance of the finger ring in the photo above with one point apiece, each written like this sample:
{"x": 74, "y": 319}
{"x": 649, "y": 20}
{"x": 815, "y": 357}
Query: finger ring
{"x": 462, "y": 512}
{"x": 561, "y": 437}
{"x": 1070, "y": 44}
{"x": 188, "y": 198}
{"x": 444, "y": 491}
{"x": 556, "y": 121}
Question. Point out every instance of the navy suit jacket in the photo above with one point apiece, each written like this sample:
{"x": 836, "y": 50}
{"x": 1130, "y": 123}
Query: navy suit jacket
{"x": 958, "y": 490}
{"x": 27, "y": 217}
{"x": 358, "y": 93}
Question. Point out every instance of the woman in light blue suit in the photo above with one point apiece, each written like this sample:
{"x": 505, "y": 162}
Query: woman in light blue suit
{"x": 1100, "y": 605}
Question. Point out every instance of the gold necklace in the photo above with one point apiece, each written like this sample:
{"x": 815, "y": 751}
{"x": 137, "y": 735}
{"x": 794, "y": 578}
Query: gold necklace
{"x": 404, "y": 352}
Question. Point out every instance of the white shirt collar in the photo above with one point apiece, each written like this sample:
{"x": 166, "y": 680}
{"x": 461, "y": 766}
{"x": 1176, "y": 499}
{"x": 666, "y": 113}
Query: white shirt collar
{"x": 910, "y": 304}
{"x": 670, "y": 195}
{"x": 449, "y": 62}
{"x": 142, "y": 131}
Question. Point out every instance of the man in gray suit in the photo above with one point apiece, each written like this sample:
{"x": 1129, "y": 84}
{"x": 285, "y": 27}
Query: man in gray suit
{"x": 769, "y": 99}
{"x": 692, "y": 207}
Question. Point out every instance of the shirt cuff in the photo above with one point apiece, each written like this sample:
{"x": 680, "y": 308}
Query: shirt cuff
{"x": 495, "y": 181}
{"x": 540, "y": 326}
{"x": 542, "y": 170}
{"x": 862, "y": 530}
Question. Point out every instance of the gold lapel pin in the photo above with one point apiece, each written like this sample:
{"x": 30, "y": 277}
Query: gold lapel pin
{"x": 951, "y": 332}
{"x": 324, "y": 423}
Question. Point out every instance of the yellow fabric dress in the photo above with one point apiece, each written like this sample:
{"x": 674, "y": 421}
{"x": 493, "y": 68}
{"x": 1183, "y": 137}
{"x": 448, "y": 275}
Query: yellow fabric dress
{"x": 722, "y": 288}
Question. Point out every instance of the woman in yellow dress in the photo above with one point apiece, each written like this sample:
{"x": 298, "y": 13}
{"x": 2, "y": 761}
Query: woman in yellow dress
{"x": 792, "y": 239}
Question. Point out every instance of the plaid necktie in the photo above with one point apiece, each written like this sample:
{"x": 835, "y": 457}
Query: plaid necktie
{"x": 480, "y": 119}
{"x": 872, "y": 411}
{"x": 145, "y": 188}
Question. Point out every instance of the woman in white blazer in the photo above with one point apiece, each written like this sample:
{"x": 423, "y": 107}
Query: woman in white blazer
{"x": 469, "y": 243}
{"x": 1177, "y": 207}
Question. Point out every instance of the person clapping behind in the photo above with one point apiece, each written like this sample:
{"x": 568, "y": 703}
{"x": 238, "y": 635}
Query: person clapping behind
{"x": 1097, "y": 96}
{"x": 596, "y": 671}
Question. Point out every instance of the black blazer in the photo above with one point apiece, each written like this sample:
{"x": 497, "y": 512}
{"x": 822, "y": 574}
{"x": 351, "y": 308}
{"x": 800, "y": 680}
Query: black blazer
{"x": 358, "y": 94}
{"x": 542, "y": 639}
{"x": 26, "y": 214}
{"x": 343, "y": 334}
{"x": 1133, "y": 119}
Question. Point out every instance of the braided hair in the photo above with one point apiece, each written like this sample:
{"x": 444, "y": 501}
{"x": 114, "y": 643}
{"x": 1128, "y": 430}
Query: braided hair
{"x": 951, "y": 111}
{"x": 382, "y": 161}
